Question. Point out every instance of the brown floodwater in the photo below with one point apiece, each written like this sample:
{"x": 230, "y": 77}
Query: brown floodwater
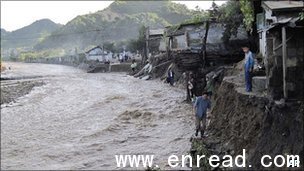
{"x": 80, "y": 120}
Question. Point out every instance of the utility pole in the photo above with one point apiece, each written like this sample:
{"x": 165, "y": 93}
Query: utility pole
{"x": 147, "y": 43}
{"x": 284, "y": 56}
{"x": 146, "y": 47}
{"x": 205, "y": 43}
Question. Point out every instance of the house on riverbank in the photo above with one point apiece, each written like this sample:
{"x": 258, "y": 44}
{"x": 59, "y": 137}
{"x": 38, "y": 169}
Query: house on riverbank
{"x": 99, "y": 54}
{"x": 196, "y": 47}
{"x": 281, "y": 33}
{"x": 186, "y": 43}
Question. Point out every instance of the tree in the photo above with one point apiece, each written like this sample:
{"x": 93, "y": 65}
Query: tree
{"x": 231, "y": 16}
{"x": 214, "y": 11}
{"x": 109, "y": 46}
{"x": 198, "y": 15}
{"x": 139, "y": 43}
{"x": 247, "y": 9}
{"x": 133, "y": 45}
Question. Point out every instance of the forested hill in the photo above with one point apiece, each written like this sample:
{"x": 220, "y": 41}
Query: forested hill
{"x": 28, "y": 36}
{"x": 118, "y": 22}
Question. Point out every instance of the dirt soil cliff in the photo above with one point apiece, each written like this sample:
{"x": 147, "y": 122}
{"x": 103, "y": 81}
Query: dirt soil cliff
{"x": 253, "y": 122}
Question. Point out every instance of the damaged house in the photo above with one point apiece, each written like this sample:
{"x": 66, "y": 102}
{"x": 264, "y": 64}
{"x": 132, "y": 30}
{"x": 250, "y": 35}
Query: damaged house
{"x": 187, "y": 45}
{"x": 281, "y": 45}
{"x": 195, "y": 47}
{"x": 156, "y": 40}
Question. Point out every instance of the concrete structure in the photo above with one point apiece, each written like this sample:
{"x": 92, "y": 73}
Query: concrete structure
{"x": 281, "y": 44}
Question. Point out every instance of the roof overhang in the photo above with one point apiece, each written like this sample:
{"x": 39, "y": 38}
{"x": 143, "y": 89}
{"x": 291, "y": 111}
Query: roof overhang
{"x": 276, "y": 6}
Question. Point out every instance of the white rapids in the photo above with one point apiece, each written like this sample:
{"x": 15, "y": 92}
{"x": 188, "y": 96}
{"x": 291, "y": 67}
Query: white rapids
{"x": 80, "y": 120}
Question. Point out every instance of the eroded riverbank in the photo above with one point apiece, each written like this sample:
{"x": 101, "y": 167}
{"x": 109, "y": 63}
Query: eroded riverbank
{"x": 80, "y": 121}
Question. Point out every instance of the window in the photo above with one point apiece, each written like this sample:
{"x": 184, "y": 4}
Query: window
{"x": 260, "y": 21}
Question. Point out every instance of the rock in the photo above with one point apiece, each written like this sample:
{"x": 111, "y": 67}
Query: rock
{"x": 259, "y": 83}
{"x": 280, "y": 104}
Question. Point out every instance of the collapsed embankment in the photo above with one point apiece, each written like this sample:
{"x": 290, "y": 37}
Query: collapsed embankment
{"x": 13, "y": 89}
{"x": 253, "y": 122}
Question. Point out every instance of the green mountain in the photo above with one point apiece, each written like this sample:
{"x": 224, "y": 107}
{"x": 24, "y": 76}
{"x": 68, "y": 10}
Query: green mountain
{"x": 28, "y": 36}
{"x": 119, "y": 22}
{"x": 3, "y": 32}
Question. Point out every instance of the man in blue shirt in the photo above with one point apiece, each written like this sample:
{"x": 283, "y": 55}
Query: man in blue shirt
{"x": 200, "y": 107}
{"x": 248, "y": 65}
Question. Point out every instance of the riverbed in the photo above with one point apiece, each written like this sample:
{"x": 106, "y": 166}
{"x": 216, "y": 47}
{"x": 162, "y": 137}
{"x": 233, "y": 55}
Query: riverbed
{"x": 79, "y": 120}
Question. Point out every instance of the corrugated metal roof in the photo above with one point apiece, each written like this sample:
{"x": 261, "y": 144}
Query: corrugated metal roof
{"x": 290, "y": 21}
{"x": 281, "y": 5}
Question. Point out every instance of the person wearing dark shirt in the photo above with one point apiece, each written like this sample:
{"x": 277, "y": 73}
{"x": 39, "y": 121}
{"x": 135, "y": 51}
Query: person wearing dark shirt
{"x": 170, "y": 77}
{"x": 201, "y": 105}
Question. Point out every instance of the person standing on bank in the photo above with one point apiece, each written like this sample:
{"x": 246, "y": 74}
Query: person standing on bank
{"x": 209, "y": 86}
{"x": 191, "y": 88}
{"x": 249, "y": 63}
{"x": 201, "y": 105}
{"x": 133, "y": 66}
{"x": 170, "y": 77}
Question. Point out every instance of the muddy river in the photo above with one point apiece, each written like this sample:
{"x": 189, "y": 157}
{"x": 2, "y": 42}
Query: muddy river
{"x": 78, "y": 120}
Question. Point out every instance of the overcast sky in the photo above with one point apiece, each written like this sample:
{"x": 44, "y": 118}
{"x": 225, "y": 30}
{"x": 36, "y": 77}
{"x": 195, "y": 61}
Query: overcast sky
{"x": 17, "y": 14}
